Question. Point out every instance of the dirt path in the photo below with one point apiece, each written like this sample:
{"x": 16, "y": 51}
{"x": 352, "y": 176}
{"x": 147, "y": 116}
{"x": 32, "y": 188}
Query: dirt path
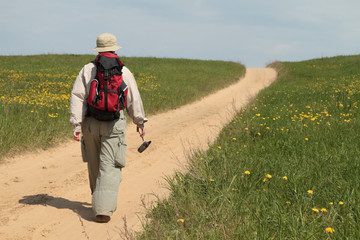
{"x": 46, "y": 195}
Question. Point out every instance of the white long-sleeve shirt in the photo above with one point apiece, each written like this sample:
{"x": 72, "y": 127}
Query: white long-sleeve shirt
{"x": 80, "y": 92}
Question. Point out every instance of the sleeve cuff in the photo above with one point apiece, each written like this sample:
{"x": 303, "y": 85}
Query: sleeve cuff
{"x": 77, "y": 128}
{"x": 141, "y": 125}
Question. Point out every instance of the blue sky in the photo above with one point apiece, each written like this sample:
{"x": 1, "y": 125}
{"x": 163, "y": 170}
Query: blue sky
{"x": 253, "y": 32}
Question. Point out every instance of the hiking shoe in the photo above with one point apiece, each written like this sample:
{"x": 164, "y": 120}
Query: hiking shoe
{"x": 102, "y": 218}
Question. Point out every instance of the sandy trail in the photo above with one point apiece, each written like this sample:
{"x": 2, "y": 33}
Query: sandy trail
{"x": 45, "y": 195}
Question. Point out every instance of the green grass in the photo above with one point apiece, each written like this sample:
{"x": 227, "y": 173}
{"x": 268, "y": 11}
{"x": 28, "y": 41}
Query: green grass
{"x": 35, "y": 91}
{"x": 286, "y": 167}
{"x": 169, "y": 83}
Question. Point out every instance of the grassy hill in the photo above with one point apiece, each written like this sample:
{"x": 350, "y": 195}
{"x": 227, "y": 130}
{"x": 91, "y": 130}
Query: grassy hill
{"x": 287, "y": 167}
{"x": 35, "y": 92}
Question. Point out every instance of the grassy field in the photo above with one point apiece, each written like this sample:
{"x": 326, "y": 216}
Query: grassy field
{"x": 286, "y": 167}
{"x": 35, "y": 92}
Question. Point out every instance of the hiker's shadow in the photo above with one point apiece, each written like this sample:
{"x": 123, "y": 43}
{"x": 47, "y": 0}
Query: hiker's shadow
{"x": 82, "y": 209}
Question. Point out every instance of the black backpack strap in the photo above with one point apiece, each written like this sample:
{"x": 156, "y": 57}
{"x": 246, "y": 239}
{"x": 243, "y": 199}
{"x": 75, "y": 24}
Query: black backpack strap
{"x": 122, "y": 87}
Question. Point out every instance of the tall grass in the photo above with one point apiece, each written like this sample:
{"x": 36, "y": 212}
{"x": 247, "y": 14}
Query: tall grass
{"x": 35, "y": 92}
{"x": 286, "y": 167}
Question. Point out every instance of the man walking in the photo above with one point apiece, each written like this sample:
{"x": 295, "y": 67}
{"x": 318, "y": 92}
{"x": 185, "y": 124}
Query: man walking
{"x": 103, "y": 139}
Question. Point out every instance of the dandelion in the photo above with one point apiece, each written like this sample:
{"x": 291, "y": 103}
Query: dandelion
{"x": 219, "y": 147}
{"x": 330, "y": 230}
{"x": 310, "y": 191}
{"x": 285, "y": 178}
{"x": 331, "y": 203}
{"x": 259, "y": 133}
{"x": 180, "y": 220}
{"x": 247, "y": 172}
{"x": 265, "y": 180}
{"x": 268, "y": 176}
{"x": 306, "y": 139}
{"x": 315, "y": 210}
{"x": 288, "y": 202}
{"x": 323, "y": 210}
{"x": 53, "y": 115}
{"x": 341, "y": 203}
{"x": 234, "y": 139}
{"x": 212, "y": 180}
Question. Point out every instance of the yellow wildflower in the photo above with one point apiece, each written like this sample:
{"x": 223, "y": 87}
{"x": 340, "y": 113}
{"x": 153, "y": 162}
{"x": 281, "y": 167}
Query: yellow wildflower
{"x": 285, "y": 178}
{"x": 247, "y": 172}
{"x": 330, "y": 230}
{"x": 212, "y": 180}
{"x": 268, "y": 176}
{"x": 288, "y": 202}
{"x": 315, "y": 210}
{"x": 341, "y": 203}
{"x": 323, "y": 210}
{"x": 331, "y": 203}
{"x": 310, "y": 192}
{"x": 219, "y": 147}
{"x": 180, "y": 220}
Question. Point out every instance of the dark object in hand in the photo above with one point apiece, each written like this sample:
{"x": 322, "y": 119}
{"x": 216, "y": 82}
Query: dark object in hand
{"x": 143, "y": 146}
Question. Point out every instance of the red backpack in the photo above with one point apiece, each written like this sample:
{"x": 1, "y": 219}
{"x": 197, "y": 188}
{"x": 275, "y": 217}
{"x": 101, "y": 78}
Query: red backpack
{"x": 108, "y": 90}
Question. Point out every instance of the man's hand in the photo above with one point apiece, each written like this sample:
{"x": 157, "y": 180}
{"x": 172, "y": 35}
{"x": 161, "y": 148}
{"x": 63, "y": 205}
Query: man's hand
{"x": 77, "y": 136}
{"x": 142, "y": 132}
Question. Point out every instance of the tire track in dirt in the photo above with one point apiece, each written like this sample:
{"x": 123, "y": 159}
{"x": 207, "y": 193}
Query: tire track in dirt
{"x": 45, "y": 195}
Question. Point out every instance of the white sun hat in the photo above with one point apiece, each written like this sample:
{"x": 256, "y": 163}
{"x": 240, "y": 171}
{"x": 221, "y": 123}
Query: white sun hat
{"x": 106, "y": 42}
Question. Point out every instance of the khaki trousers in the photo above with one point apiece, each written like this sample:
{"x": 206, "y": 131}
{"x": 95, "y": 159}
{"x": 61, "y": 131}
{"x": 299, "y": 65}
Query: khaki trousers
{"x": 104, "y": 150}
